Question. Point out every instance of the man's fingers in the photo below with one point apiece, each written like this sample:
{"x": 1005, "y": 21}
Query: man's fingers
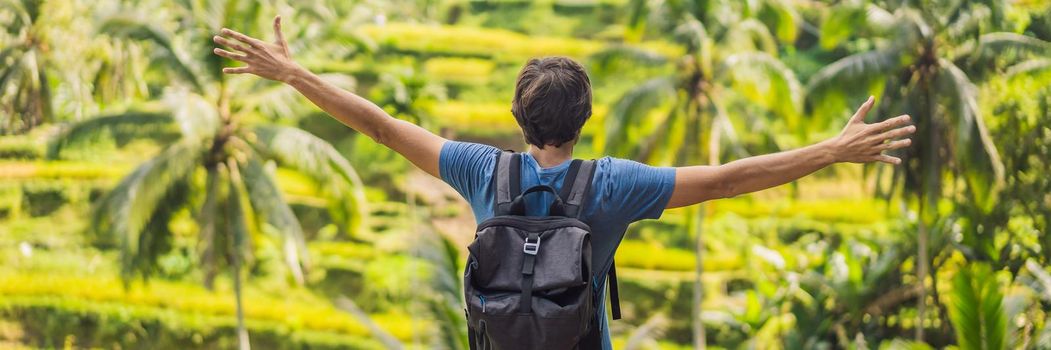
{"x": 896, "y": 133}
{"x": 888, "y": 159}
{"x": 859, "y": 116}
{"x": 237, "y": 70}
{"x": 896, "y": 144}
{"x": 230, "y": 43}
{"x": 228, "y": 54}
{"x": 253, "y": 42}
{"x": 891, "y": 123}
{"x": 277, "y": 31}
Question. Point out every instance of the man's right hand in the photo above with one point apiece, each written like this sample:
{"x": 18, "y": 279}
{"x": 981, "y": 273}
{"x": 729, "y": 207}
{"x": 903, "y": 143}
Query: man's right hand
{"x": 268, "y": 60}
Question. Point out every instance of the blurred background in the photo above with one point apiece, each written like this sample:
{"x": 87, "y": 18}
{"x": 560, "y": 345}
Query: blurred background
{"x": 148, "y": 201}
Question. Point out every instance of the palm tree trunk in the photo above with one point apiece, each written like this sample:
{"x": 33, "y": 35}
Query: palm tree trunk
{"x": 237, "y": 234}
{"x": 208, "y": 223}
{"x": 242, "y": 332}
{"x": 696, "y": 227}
{"x": 928, "y": 203}
{"x": 921, "y": 275}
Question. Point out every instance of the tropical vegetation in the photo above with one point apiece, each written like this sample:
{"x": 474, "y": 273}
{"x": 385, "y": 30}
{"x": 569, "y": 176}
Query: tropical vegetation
{"x": 149, "y": 201}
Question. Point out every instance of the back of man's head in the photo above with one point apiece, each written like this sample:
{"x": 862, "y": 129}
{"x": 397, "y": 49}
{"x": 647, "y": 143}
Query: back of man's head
{"x": 552, "y": 100}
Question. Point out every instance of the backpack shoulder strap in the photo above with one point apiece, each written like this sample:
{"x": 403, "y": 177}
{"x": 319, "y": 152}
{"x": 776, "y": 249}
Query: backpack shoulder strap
{"x": 614, "y": 292}
{"x": 507, "y": 183}
{"x": 575, "y": 194}
{"x": 577, "y": 186}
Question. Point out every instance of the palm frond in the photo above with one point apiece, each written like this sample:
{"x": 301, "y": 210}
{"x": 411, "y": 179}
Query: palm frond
{"x": 1042, "y": 279}
{"x": 638, "y": 15}
{"x": 840, "y": 24}
{"x": 692, "y": 34}
{"x": 445, "y": 287}
{"x": 912, "y": 26}
{"x": 312, "y": 156}
{"x": 768, "y": 82}
{"x": 11, "y": 61}
{"x": 851, "y": 77}
{"x": 853, "y": 70}
{"x": 606, "y": 58}
{"x": 635, "y": 104}
{"x": 156, "y": 238}
{"x": 197, "y": 118}
{"x": 880, "y": 20}
{"x": 976, "y": 309}
{"x": 281, "y": 100}
{"x": 1004, "y": 41}
{"x": 750, "y": 35}
{"x": 788, "y": 20}
{"x": 270, "y": 206}
{"x": 658, "y": 147}
{"x": 123, "y": 127}
{"x": 975, "y": 150}
{"x": 968, "y": 23}
{"x": 993, "y": 46}
{"x": 138, "y": 29}
{"x": 1030, "y": 67}
{"x": 123, "y": 213}
{"x": 724, "y": 132}
{"x": 25, "y": 13}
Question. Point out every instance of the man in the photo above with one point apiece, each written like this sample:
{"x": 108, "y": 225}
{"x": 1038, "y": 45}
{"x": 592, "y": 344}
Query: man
{"x": 552, "y": 101}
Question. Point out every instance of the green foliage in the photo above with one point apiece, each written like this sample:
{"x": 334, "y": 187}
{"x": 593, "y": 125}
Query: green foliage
{"x": 18, "y": 147}
{"x": 122, "y": 127}
{"x": 501, "y": 45}
{"x": 48, "y": 322}
{"x": 194, "y": 174}
{"x": 977, "y": 309}
{"x": 653, "y": 257}
{"x": 317, "y": 159}
{"x": 840, "y": 24}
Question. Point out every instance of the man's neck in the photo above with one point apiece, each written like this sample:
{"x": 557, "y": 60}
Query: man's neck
{"x": 550, "y": 156}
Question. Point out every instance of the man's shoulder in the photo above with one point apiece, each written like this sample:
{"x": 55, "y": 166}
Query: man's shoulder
{"x": 470, "y": 147}
{"x": 614, "y": 164}
{"x": 460, "y": 153}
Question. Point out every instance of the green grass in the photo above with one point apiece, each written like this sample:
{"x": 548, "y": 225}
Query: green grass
{"x": 86, "y": 323}
{"x": 297, "y": 309}
{"x": 497, "y": 44}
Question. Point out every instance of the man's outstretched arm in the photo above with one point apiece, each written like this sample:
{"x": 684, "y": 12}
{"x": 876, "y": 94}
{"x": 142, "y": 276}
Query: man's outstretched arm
{"x": 858, "y": 143}
{"x": 273, "y": 61}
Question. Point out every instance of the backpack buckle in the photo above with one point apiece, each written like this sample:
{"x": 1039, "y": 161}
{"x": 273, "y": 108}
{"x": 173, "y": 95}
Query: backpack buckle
{"x": 531, "y": 248}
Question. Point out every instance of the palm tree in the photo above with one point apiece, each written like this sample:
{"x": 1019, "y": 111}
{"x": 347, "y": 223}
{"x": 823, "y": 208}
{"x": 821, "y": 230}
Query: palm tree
{"x": 924, "y": 59}
{"x": 726, "y": 58}
{"x": 25, "y": 89}
{"x": 223, "y": 153}
{"x": 45, "y": 52}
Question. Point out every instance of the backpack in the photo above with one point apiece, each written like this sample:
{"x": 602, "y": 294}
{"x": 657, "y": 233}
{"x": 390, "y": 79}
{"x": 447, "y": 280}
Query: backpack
{"x": 529, "y": 282}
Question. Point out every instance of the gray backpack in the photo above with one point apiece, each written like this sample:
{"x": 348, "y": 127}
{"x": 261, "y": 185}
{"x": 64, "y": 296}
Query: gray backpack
{"x": 529, "y": 281}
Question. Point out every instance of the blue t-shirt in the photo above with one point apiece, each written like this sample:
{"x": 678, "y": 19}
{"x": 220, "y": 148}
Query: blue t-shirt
{"x": 622, "y": 192}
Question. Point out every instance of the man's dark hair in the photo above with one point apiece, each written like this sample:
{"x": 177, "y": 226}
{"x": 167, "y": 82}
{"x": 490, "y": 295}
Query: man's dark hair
{"x": 552, "y": 100}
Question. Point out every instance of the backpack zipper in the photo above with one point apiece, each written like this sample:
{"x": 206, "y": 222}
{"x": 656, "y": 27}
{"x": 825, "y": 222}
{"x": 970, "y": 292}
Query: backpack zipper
{"x": 481, "y": 298}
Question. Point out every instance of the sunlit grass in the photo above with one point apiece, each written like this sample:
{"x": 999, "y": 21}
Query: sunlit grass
{"x": 497, "y": 44}
{"x": 295, "y": 309}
